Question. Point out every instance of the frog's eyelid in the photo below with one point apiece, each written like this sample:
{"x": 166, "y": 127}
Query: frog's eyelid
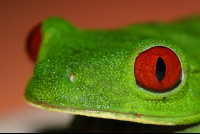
{"x": 182, "y": 76}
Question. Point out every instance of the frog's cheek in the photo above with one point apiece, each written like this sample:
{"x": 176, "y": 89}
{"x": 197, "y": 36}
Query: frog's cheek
{"x": 101, "y": 114}
{"x": 109, "y": 115}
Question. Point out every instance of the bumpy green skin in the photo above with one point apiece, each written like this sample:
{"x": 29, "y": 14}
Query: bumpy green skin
{"x": 102, "y": 65}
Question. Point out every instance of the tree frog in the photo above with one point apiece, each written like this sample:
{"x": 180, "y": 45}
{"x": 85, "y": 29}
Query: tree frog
{"x": 144, "y": 73}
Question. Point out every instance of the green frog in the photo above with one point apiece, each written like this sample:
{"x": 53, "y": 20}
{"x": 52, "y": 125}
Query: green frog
{"x": 144, "y": 73}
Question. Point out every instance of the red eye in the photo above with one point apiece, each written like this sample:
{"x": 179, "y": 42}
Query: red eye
{"x": 157, "y": 69}
{"x": 33, "y": 42}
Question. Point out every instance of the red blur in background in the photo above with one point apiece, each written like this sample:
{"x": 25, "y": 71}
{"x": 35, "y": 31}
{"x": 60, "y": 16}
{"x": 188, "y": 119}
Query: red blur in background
{"x": 17, "y": 17}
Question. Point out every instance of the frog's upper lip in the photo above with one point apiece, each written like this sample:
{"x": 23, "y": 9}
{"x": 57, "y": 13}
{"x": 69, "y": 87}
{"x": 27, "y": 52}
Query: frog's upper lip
{"x": 133, "y": 117}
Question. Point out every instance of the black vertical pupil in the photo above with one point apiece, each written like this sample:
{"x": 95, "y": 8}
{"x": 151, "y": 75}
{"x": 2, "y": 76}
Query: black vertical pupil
{"x": 160, "y": 69}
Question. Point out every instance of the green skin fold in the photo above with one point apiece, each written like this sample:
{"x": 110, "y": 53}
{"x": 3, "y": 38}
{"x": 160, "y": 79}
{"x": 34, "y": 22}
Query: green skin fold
{"x": 92, "y": 71}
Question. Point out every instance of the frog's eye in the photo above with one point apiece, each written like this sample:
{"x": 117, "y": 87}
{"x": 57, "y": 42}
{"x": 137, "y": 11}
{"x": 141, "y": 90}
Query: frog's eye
{"x": 157, "y": 69}
{"x": 33, "y": 42}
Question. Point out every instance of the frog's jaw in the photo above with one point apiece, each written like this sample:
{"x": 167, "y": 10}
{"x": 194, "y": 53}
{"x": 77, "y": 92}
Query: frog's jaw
{"x": 101, "y": 114}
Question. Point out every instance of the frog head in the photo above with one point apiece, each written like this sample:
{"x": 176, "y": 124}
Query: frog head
{"x": 78, "y": 73}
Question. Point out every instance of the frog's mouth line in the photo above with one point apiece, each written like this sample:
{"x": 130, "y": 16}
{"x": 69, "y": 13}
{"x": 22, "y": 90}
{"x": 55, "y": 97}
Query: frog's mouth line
{"x": 145, "y": 119}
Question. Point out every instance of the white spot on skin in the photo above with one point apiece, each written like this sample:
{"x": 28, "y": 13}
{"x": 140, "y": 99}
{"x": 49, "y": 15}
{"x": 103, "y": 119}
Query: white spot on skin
{"x": 71, "y": 77}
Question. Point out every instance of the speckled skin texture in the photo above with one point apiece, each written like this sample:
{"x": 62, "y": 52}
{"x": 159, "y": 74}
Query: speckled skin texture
{"x": 83, "y": 71}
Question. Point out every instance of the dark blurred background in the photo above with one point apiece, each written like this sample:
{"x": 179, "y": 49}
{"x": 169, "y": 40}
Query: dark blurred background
{"x": 17, "y": 17}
